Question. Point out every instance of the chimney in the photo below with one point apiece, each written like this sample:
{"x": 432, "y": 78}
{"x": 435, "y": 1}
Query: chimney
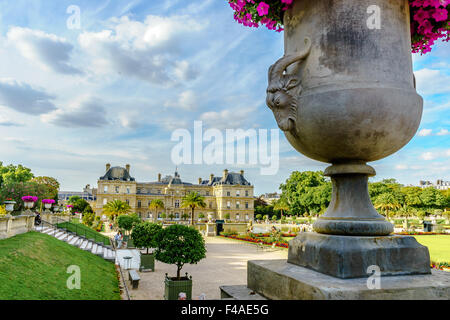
{"x": 159, "y": 177}
{"x": 211, "y": 177}
{"x": 108, "y": 166}
{"x": 127, "y": 167}
{"x": 199, "y": 180}
{"x": 225, "y": 173}
{"x": 242, "y": 172}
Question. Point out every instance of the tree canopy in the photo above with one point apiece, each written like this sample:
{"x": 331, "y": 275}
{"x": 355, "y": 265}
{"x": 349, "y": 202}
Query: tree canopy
{"x": 193, "y": 200}
{"x": 144, "y": 235}
{"x": 178, "y": 245}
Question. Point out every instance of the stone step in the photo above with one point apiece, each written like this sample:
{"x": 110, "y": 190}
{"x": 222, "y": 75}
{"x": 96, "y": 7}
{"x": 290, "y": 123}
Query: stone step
{"x": 94, "y": 248}
{"x": 69, "y": 237}
{"x": 84, "y": 244}
{"x": 62, "y": 236}
{"x": 74, "y": 241}
{"x": 100, "y": 250}
{"x": 48, "y": 231}
{"x": 89, "y": 246}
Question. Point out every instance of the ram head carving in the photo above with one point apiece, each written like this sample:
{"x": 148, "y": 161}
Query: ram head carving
{"x": 284, "y": 89}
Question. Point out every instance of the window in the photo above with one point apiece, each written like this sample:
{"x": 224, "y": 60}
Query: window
{"x": 139, "y": 203}
{"x": 105, "y": 189}
{"x": 159, "y": 191}
{"x": 237, "y": 216}
{"x": 246, "y": 217}
{"x": 105, "y": 201}
{"x": 228, "y": 204}
{"x": 117, "y": 189}
{"x": 177, "y": 216}
{"x": 128, "y": 190}
{"x": 228, "y": 193}
{"x": 207, "y": 193}
{"x": 138, "y": 190}
{"x": 237, "y": 204}
{"x": 246, "y": 205}
{"x": 210, "y": 205}
{"x": 127, "y": 201}
{"x": 238, "y": 193}
{"x": 177, "y": 203}
{"x": 246, "y": 193}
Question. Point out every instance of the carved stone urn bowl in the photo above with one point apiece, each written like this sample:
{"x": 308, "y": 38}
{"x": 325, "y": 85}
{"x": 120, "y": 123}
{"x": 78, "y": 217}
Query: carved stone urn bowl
{"x": 344, "y": 93}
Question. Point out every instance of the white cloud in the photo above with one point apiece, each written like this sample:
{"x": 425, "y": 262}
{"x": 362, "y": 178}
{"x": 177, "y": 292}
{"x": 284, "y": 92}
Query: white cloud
{"x": 401, "y": 167}
{"x": 228, "y": 118}
{"x": 88, "y": 112}
{"x": 443, "y": 132}
{"x": 432, "y": 81}
{"x": 425, "y": 132}
{"x": 48, "y": 50}
{"x": 145, "y": 50}
{"x": 22, "y": 97}
{"x": 187, "y": 100}
{"x": 428, "y": 156}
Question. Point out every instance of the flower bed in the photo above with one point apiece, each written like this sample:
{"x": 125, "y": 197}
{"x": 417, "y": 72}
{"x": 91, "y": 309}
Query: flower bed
{"x": 421, "y": 233}
{"x": 429, "y": 18}
{"x": 445, "y": 266}
{"x": 48, "y": 201}
{"x": 29, "y": 199}
{"x": 281, "y": 244}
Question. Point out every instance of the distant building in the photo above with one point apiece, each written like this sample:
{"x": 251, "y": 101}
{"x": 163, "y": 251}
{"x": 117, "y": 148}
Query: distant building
{"x": 440, "y": 184}
{"x": 270, "y": 198}
{"x": 229, "y": 193}
{"x": 89, "y": 194}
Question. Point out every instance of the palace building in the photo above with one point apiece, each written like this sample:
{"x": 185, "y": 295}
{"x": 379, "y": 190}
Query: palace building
{"x": 229, "y": 193}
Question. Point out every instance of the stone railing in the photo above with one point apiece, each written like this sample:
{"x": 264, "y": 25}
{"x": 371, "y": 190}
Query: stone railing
{"x": 14, "y": 225}
{"x": 53, "y": 218}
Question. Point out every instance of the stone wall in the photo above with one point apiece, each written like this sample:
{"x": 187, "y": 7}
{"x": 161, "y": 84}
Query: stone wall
{"x": 11, "y": 226}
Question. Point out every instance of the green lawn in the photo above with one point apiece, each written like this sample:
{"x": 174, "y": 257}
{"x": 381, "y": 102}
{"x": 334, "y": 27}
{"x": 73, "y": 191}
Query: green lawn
{"x": 438, "y": 245}
{"x": 33, "y": 266}
{"x": 85, "y": 231}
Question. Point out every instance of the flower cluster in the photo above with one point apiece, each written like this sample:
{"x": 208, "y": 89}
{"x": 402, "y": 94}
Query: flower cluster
{"x": 69, "y": 206}
{"x": 29, "y": 199}
{"x": 48, "y": 201}
{"x": 429, "y": 22}
{"x": 282, "y": 244}
{"x": 430, "y": 19}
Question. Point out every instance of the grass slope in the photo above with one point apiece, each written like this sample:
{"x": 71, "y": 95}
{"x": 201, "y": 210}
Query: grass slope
{"x": 438, "y": 245}
{"x": 33, "y": 266}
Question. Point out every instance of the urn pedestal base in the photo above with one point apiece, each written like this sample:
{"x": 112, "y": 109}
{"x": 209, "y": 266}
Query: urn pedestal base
{"x": 350, "y": 256}
{"x": 280, "y": 280}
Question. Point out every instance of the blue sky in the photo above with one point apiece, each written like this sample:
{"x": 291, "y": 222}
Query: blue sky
{"x": 114, "y": 90}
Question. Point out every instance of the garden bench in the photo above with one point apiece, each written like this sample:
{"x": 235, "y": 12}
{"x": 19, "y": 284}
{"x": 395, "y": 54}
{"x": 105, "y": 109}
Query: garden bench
{"x": 134, "y": 278}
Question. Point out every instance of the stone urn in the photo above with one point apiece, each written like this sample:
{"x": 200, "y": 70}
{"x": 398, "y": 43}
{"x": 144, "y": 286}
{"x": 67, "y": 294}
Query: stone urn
{"x": 344, "y": 93}
{"x": 9, "y": 206}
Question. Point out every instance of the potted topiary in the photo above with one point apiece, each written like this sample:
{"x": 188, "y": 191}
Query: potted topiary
{"x": 126, "y": 223}
{"x": 144, "y": 236}
{"x": 178, "y": 245}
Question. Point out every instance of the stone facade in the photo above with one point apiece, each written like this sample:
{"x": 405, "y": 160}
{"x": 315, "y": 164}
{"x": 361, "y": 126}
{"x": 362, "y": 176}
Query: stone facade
{"x": 14, "y": 225}
{"x": 230, "y": 193}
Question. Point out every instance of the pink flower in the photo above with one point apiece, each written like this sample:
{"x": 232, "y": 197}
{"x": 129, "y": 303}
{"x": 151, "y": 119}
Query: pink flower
{"x": 440, "y": 14}
{"x": 263, "y": 9}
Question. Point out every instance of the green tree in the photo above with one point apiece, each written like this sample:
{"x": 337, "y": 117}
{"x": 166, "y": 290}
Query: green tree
{"x": 296, "y": 191}
{"x": 156, "y": 205}
{"x": 144, "y": 235}
{"x": 171, "y": 216}
{"x": 126, "y": 222}
{"x": 227, "y": 216}
{"x": 115, "y": 208}
{"x": 178, "y": 245}
{"x": 12, "y": 174}
{"x": 387, "y": 202}
{"x": 79, "y": 204}
{"x": 281, "y": 205}
{"x": 193, "y": 200}
{"x": 185, "y": 216}
{"x": 51, "y": 183}
{"x": 88, "y": 218}
{"x": 258, "y": 217}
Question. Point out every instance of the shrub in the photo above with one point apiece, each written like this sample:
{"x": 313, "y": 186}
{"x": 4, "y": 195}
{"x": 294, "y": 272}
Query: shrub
{"x": 144, "y": 235}
{"x": 88, "y": 219}
{"x": 178, "y": 245}
{"x": 258, "y": 217}
{"x": 126, "y": 222}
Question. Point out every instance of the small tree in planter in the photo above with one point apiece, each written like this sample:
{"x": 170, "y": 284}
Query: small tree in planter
{"x": 126, "y": 223}
{"x": 179, "y": 245}
{"x": 227, "y": 217}
{"x": 144, "y": 236}
{"x": 201, "y": 216}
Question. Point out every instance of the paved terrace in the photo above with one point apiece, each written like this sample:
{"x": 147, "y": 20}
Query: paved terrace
{"x": 225, "y": 264}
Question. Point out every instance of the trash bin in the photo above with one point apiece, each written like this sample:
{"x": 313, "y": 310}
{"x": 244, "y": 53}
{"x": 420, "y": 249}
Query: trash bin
{"x": 427, "y": 226}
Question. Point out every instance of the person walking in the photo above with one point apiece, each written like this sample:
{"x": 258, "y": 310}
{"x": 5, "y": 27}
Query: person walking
{"x": 119, "y": 239}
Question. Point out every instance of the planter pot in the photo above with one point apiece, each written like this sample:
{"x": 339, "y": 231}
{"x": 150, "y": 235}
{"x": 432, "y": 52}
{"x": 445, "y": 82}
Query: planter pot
{"x": 345, "y": 94}
{"x": 173, "y": 287}
{"x": 9, "y": 206}
{"x": 47, "y": 205}
{"x": 28, "y": 205}
{"x": 147, "y": 262}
